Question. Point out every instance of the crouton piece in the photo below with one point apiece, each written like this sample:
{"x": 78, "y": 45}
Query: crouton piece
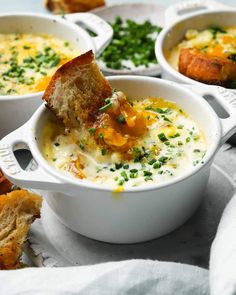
{"x": 206, "y": 68}
{"x": 77, "y": 90}
{"x": 18, "y": 209}
{"x": 70, "y": 6}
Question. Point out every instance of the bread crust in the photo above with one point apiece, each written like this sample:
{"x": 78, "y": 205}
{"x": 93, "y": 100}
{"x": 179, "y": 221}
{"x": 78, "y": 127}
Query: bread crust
{"x": 206, "y": 68}
{"x": 18, "y": 209}
{"x": 70, "y": 6}
{"x": 5, "y": 184}
{"x": 77, "y": 90}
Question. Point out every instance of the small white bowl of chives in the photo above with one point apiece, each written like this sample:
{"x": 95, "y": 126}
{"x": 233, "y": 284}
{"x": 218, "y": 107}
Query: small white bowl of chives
{"x": 131, "y": 51}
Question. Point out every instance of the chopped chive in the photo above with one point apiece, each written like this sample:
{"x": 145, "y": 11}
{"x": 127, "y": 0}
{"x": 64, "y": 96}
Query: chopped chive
{"x": 106, "y": 107}
{"x": 147, "y": 173}
{"x": 188, "y": 139}
{"x": 121, "y": 119}
{"x": 133, "y": 170}
{"x": 55, "y": 62}
{"x": 26, "y": 47}
{"x": 163, "y": 159}
{"x": 104, "y": 152}
{"x": 133, "y": 175}
{"x": 166, "y": 119}
{"x": 148, "y": 178}
{"x": 100, "y": 136}
{"x": 137, "y": 153}
{"x": 157, "y": 165}
{"x": 124, "y": 175}
{"x": 152, "y": 161}
{"x": 118, "y": 165}
{"x": 126, "y": 166}
{"x": 162, "y": 137}
{"x": 92, "y": 130}
{"x": 175, "y": 135}
{"x": 160, "y": 111}
{"x": 107, "y": 100}
{"x": 215, "y": 30}
{"x": 121, "y": 182}
{"x": 196, "y": 151}
{"x": 47, "y": 48}
{"x": 180, "y": 126}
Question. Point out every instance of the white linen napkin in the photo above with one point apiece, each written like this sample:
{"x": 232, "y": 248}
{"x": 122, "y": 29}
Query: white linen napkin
{"x": 131, "y": 277}
{"x": 223, "y": 254}
{"x": 137, "y": 277}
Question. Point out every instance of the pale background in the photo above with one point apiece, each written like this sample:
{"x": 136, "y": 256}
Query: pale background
{"x": 37, "y": 5}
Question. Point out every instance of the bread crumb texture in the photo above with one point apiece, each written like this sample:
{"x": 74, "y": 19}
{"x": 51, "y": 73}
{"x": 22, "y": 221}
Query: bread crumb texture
{"x": 18, "y": 209}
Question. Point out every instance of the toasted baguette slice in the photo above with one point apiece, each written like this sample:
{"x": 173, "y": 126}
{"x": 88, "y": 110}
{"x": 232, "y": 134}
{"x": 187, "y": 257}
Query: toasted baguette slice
{"x": 77, "y": 90}
{"x": 18, "y": 209}
{"x": 70, "y": 6}
{"x": 205, "y": 68}
{"x": 5, "y": 184}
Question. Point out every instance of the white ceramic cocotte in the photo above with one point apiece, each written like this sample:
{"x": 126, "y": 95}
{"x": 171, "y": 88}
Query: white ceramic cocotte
{"x": 140, "y": 213}
{"x": 196, "y": 14}
{"x": 16, "y": 110}
{"x": 187, "y": 15}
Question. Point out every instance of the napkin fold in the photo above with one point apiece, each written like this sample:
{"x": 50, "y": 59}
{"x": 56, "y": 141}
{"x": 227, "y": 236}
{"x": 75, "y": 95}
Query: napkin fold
{"x": 131, "y": 277}
{"x": 223, "y": 254}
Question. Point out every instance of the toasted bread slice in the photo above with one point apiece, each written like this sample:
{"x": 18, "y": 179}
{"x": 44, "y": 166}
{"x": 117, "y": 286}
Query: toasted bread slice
{"x": 5, "y": 184}
{"x": 77, "y": 90}
{"x": 18, "y": 209}
{"x": 206, "y": 68}
{"x": 70, "y": 6}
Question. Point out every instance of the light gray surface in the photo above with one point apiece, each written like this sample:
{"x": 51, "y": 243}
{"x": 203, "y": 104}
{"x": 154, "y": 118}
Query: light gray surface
{"x": 190, "y": 244}
{"x": 226, "y": 159}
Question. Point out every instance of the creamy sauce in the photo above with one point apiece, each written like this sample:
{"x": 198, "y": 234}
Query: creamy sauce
{"x": 27, "y": 61}
{"x": 171, "y": 145}
{"x": 216, "y": 42}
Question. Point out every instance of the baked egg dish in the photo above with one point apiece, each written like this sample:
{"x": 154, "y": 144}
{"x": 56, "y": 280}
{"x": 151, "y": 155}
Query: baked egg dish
{"x": 132, "y": 143}
{"x": 28, "y": 61}
{"x": 208, "y": 56}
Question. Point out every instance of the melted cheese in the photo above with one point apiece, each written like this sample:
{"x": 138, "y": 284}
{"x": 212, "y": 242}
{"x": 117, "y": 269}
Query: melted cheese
{"x": 172, "y": 145}
{"x": 216, "y": 43}
{"x": 27, "y": 61}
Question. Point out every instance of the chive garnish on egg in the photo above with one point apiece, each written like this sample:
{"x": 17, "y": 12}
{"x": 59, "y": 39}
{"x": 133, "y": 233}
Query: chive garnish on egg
{"x": 106, "y": 107}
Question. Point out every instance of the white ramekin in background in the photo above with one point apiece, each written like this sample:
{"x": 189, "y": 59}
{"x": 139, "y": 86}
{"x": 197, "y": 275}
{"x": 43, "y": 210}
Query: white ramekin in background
{"x": 16, "y": 110}
{"x": 195, "y": 14}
